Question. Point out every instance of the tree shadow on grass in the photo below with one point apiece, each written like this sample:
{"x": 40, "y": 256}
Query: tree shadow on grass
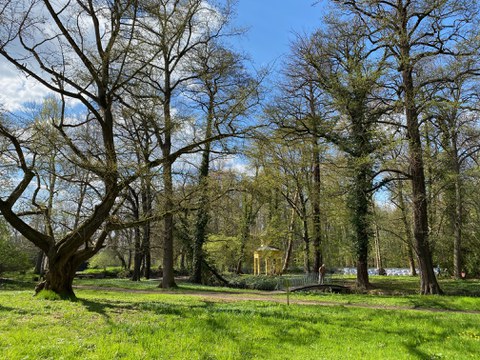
{"x": 107, "y": 308}
{"x": 12, "y": 284}
{"x": 414, "y": 338}
{"x": 469, "y": 287}
{"x": 162, "y": 308}
{"x": 413, "y": 350}
{"x": 440, "y": 303}
{"x": 97, "y": 307}
{"x": 6, "y": 308}
{"x": 277, "y": 323}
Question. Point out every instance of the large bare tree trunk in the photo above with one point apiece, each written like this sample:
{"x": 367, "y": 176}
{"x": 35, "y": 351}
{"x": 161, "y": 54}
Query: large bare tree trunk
{"x": 138, "y": 256}
{"x": 61, "y": 269}
{"x": 408, "y": 229}
{"x": 291, "y": 234}
{"x": 203, "y": 211}
{"x": 39, "y": 263}
{"x": 359, "y": 206}
{"x": 455, "y": 198}
{"x": 168, "y": 279}
{"x": 305, "y": 236}
{"x": 428, "y": 280}
{"x": 378, "y": 252}
{"x": 59, "y": 279}
{"x": 138, "y": 251}
{"x": 306, "y": 249}
{"x": 458, "y": 222}
{"x": 317, "y": 231}
{"x": 248, "y": 217}
{"x": 147, "y": 199}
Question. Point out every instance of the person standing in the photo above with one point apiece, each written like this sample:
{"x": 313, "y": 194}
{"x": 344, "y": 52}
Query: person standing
{"x": 321, "y": 274}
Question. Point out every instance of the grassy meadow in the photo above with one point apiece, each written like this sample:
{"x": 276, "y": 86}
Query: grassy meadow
{"x": 120, "y": 319}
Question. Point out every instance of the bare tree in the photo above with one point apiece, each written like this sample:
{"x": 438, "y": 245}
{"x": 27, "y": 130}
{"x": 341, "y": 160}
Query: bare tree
{"x": 77, "y": 57}
{"x": 87, "y": 53}
{"x": 226, "y": 94}
{"x": 298, "y": 112}
{"x": 178, "y": 29}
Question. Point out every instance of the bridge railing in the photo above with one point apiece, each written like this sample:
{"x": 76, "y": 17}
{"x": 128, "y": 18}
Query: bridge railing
{"x": 293, "y": 281}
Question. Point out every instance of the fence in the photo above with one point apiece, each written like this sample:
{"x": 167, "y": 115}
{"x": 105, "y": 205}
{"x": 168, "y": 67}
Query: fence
{"x": 294, "y": 281}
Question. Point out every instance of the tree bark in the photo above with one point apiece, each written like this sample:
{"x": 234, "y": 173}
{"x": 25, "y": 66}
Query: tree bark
{"x": 39, "y": 263}
{"x": 454, "y": 208}
{"x": 138, "y": 256}
{"x": 59, "y": 276}
{"x": 305, "y": 235}
{"x": 378, "y": 252}
{"x": 359, "y": 206}
{"x": 138, "y": 251}
{"x": 306, "y": 249}
{"x": 147, "y": 199}
{"x": 122, "y": 260}
{"x": 168, "y": 279}
{"x": 60, "y": 282}
{"x": 203, "y": 211}
{"x": 454, "y": 191}
{"x": 248, "y": 216}
{"x": 428, "y": 280}
{"x": 408, "y": 230}
{"x": 317, "y": 231}
{"x": 458, "y": 222}
{"x": 291, "y": 234}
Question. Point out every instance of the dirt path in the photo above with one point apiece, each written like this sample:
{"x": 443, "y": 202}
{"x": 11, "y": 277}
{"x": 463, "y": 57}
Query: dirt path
{"x": 271, "y": 296}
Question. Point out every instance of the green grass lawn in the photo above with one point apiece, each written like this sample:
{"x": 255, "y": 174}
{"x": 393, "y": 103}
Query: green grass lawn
{"x": 106, "y": 324}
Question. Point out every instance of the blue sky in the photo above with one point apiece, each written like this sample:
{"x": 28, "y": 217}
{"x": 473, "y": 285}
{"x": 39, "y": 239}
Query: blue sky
{"x": 272, "y": 25}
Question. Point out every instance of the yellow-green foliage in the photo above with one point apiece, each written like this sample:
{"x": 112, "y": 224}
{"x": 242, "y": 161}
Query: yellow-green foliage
{"x": 11, "y": 257}
{"x": 223, "y": 251}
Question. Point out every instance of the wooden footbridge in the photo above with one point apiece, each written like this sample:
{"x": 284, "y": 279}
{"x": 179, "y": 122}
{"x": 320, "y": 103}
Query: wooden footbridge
{"x": 310, "y": 283}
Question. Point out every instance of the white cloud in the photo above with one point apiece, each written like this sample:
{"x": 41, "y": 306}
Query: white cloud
{"x": 16, "y": 89}
{"x": 235, "y": 164}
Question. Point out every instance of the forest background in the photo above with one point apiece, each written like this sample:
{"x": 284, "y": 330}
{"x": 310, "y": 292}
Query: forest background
{"x": 160, "y": 145}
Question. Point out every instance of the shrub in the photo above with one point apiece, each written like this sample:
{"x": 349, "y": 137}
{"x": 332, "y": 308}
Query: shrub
{"x": 258, "y": 282}
{"x": 11, "y": 258}
{"x": 105, "y": 258}
{"x": 124, "y": 273}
